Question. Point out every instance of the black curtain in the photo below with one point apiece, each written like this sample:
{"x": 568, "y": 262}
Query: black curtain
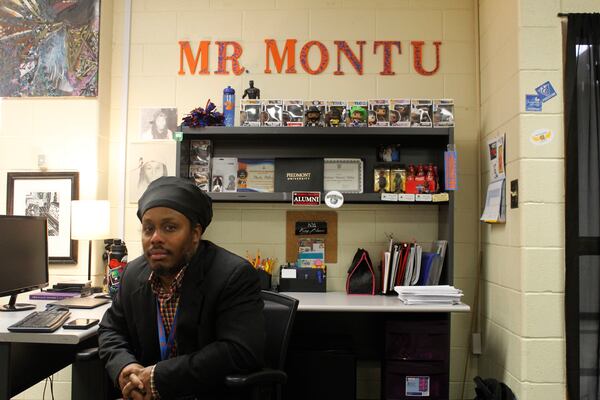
{"x": 582, "y": 208}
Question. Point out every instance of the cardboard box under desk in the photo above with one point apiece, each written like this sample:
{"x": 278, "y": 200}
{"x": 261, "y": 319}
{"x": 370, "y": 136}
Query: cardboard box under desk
{"x": 302, "y": 280}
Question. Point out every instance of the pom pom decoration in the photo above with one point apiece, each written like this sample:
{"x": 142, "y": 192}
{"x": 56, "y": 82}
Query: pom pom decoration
{"x": 200, "y": 117}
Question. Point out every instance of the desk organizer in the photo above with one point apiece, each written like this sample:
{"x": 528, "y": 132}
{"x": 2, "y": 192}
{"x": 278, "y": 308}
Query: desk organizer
{"x": 302, "y": 280}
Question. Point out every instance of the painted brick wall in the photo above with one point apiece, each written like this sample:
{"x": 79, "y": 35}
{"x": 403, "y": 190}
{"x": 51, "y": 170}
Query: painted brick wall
{"x": 523, "y": 271}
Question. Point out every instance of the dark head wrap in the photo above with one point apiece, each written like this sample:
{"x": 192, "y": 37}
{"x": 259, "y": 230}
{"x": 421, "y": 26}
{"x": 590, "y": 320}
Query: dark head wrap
{"x": 180, "y": 195}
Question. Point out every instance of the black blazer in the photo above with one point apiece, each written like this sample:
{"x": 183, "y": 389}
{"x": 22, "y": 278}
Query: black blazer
{"x": 220, "y": 326}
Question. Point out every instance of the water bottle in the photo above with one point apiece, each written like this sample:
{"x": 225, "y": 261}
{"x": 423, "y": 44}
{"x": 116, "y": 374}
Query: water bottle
{"x": 117, "y": 260}
{"x": 105, "y": 253}
{"x": 229, "y": 106}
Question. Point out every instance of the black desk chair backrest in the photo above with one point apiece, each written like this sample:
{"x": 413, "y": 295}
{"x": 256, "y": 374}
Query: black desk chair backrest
{"x": 279, "y": 312}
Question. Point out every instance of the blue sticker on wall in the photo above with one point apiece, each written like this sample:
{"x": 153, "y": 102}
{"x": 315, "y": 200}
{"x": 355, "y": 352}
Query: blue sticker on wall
{"x": 545, "y": 91}
{"x": 533, "y": 102}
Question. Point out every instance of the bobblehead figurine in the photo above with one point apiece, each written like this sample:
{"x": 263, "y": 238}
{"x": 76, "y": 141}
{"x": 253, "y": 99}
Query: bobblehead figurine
{"x": 335, "y": 117}
{"x": 313, "y": 117}
{"x": 358, "y": 115}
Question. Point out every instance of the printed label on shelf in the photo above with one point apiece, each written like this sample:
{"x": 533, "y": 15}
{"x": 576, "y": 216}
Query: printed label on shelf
{"x": 406, "y": 197}
{"x": 440, "y": 197}
{"x": 389, "y": 196}
{"x": 417, "y": 386}
{"x": 424, "y": 197}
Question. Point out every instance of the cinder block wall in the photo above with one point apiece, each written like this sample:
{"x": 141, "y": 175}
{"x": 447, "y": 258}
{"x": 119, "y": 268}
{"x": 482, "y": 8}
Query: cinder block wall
{"x": 523, "y": 270}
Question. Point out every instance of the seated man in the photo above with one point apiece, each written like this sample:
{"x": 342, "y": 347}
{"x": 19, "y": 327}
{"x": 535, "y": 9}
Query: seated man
{"x": 188, "y": 312}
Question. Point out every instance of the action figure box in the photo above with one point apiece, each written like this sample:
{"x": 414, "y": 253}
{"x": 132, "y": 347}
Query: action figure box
{"x": 400, "y": 112}
{"x": 420, "y": 113}
{"x": 224, "y": 174}
{"x": 379, "y": 113}
{"x": 336, "y": 113}
{"x": 250, "y": 111}
{"x": 443, "y": 112}
{"x": 200, "y": 152}
{"x": 314, "y": 113}
{"x": 200, "y": 175}
{"x": 272, "y": 111}
{"x": 293, "y": 113}
{"x": 381, "y": 181}
{"x": 397, "y": 180}
{"x": 357, "y": 113}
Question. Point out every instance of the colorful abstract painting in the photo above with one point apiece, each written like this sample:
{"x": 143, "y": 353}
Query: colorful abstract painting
{"x": 49, "y": 47}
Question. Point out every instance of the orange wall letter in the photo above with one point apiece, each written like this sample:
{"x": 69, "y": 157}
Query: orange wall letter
{"x": 304, "y": 57}
{"x": 223, "y": 57}
{"x": 186, "y": 50}
{"x": 342, "y": 47}
{"x": 418, "y": 57}
{"x": 289, "y": 51}
{"x": 387, "y": 54}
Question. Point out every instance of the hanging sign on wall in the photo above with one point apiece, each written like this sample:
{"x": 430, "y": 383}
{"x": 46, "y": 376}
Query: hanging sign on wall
{"x": 229, "y": 54}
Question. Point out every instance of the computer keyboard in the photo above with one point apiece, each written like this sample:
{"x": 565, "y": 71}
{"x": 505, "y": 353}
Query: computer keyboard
{"x": 42, "y": 321}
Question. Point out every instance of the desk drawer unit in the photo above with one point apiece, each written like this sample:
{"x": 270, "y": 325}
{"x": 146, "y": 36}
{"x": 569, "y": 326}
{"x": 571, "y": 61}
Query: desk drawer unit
{"x": 416, "y": 340}
{"x": 416, "y": 360}
{"x": 405, "y": 380}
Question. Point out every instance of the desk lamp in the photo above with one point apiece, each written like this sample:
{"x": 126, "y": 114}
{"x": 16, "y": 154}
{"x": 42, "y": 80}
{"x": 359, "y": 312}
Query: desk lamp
{"x": 90, "y": 220}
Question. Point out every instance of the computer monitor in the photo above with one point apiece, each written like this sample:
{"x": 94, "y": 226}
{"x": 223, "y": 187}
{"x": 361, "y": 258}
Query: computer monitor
{"x": 23, "y": 257}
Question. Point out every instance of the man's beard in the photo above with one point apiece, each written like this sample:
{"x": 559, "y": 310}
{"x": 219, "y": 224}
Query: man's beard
{"x": 164, "y": 270}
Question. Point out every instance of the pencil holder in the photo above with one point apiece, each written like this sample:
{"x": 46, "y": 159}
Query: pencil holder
{"x": 265, "y": 279}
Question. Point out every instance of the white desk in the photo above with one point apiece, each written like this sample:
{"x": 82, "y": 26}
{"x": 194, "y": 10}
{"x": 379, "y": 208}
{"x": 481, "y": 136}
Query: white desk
{"x": 60, "y": 336}
{"x": 341, "y": 302}
{"x": 27, "y": 358}
{"x": 41, "y": 354}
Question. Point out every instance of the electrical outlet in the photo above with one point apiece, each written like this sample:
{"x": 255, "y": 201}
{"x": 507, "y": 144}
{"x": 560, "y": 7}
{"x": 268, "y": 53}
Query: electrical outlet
{"x": 514, "y": 194}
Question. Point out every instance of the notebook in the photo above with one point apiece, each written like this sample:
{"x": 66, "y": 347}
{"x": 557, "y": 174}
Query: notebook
{"x": 81, "y": 302}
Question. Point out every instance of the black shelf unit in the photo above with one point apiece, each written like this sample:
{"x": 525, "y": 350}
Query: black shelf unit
{"x": 417, "y": 146}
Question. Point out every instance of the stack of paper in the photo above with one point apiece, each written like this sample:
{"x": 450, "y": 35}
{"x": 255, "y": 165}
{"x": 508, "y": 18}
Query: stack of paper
{"x": 440, "y": 294}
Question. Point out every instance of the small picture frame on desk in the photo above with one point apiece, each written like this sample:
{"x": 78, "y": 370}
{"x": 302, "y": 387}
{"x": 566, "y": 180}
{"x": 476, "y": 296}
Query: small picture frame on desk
{"x": 47, "y": 194}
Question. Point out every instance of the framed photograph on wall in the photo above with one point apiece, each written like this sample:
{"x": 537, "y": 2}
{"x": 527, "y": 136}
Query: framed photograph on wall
{"x": 47, "y": 194}
{"x": 157, "y": 123}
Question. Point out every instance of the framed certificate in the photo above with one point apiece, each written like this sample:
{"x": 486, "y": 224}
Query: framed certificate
{"x": 343, "y": 174}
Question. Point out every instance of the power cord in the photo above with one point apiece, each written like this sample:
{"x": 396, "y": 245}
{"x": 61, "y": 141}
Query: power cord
{"x": 51, "y": 379}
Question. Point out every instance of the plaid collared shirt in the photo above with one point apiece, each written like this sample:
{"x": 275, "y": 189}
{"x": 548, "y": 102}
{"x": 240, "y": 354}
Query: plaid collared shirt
{"x": 168, "y": 300}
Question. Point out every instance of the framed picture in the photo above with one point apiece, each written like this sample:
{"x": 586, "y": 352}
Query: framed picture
{"x": 148, "y": 161}
{"x": 157, "y": 123}
{"x": 47, "y": 194}
{"x": 49, "y": 48}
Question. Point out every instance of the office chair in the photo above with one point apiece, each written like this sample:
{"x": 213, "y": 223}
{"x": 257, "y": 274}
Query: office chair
{"x": 279, "y": 312}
